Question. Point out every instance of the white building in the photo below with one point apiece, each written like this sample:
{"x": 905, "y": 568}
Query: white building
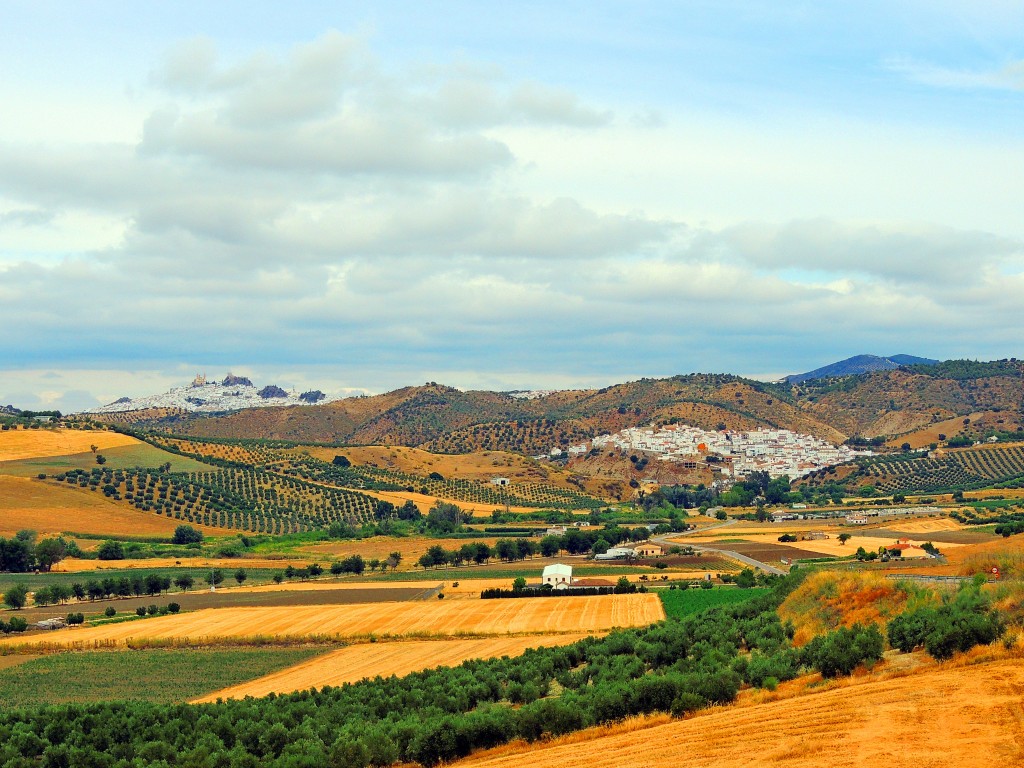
{"x": 557, "y": 575}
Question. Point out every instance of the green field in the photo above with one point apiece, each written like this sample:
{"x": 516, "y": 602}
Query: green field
{"x": 684, "y": 602}
{"x": 125, "y": 457}
{"x": 165, "y": 676}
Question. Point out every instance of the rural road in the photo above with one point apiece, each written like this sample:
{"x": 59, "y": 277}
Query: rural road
{"x": 674, "y": 541}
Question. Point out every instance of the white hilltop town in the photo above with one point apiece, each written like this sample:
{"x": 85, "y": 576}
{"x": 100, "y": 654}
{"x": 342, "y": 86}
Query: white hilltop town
{"x": 775, "y": 451}
{"x": 233, "y": 393}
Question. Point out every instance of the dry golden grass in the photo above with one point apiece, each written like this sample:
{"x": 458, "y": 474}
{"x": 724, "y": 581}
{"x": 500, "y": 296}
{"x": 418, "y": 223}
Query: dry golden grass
{"x": 50, "y": 509}
{"x": 929, "y": 525}
{"x": 36, "y": 443}
{"x": 357, "y": 662}
{"x": 941, "y": 716}
{"x": 829, "y": 599}
{"x": 399, "y": 619}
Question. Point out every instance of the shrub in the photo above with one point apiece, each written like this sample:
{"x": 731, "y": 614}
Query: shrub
{"x": 173, "y": 607}
{"x": 110, "y": 611}
{"x": 141, "y": 610}
{"x": 839, "y": 652}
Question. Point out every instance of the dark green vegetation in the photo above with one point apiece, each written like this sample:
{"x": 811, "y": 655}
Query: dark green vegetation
{"x": 165, "y": 676}
{"x": 23, "y": 552}
{"x": 686, "y": 602}
{"x": 961, "y": 622}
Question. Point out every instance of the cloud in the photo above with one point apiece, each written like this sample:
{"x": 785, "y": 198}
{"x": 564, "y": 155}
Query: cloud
{"x": 1007, "y": 77}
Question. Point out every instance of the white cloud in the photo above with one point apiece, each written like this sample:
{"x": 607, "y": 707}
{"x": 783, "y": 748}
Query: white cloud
{"x": 1008, "y": 76}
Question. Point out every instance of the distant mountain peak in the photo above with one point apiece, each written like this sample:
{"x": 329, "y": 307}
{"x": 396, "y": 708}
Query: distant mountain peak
{"x": 859, "y": 364}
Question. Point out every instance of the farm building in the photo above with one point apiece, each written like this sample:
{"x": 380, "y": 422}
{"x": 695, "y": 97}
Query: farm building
{"x": 649, "y": 549}
{"x": 616, "y": 553}
{"x": 856, "y": 520}
{"x": 557, "y": 575}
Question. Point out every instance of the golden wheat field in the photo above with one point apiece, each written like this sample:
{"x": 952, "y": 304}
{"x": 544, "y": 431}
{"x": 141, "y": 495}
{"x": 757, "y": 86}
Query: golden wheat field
{"x": 939, "y": 717}
{"x": 438, "y": 618}
{"x": 51, "y": 509}
{"x": 18, "y": 444}
{"x": 349, "y": 665}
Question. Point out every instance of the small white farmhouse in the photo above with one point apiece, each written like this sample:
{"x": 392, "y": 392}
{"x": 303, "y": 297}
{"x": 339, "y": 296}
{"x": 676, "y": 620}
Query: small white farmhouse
{"x": 558, "y": 576}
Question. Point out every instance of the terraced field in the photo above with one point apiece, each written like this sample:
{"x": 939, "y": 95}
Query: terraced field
{"x": 444, "y": 618}
{"x": 349, "y": 665}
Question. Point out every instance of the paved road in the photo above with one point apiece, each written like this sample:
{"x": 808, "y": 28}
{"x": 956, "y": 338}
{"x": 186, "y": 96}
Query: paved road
{"x": 666, "y": 541}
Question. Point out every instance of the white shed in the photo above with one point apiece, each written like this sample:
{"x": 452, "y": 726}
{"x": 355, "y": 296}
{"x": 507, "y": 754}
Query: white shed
{"x": 558, "y": 576}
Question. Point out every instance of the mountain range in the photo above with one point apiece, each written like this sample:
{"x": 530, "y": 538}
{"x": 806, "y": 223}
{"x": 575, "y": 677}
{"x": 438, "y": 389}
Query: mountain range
{"x": 443, "y": 419}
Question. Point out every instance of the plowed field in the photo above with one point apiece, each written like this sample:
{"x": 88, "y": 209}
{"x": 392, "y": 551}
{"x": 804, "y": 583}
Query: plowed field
{"x": 940, "y": 717}
{"x": 32, "y": 443}
{"x": 356, "y": 662}
{"x": 470, "y": 617}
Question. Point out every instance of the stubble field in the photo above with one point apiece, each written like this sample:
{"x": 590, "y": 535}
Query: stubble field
{"x": 349, "y": 665}
{"x": 420, "y": 619}
{"x": 943, "y": 716}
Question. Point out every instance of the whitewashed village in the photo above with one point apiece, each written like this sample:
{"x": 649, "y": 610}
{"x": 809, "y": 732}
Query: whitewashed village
{"x": 775, "y": 451}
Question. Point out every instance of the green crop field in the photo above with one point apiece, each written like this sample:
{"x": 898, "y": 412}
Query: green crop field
{"x": 684, "y": 602}
{"x": 166, "y": 676}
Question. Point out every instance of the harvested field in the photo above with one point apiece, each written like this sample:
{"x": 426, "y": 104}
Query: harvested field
{"x": 771, "y": 553}
{"x": 938, "y": 717}
{"x": 52, "y": 509}
{"x": 930, "y": 525}
{"x": 6, "y": 662}
{"x": 32, "y": 443}
{"x": 77, "y": 565}
{"x": 834, "y": 548}
{"x": 349, "y": 665}
{"x": 955, "y": 537}
{"x": 437, "y": 618}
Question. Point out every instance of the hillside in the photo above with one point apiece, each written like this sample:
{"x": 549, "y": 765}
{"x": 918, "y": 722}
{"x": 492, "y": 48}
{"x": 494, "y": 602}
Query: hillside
{"x": 447, "y": 420}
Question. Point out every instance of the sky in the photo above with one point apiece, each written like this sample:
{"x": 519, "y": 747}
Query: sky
{"x": 356, "y": 197}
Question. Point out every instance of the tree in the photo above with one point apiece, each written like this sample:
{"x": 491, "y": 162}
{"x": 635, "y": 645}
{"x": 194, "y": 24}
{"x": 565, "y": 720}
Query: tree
{"x": 110, "y": 550}
{"x": 241, "y": 576}
{"x": 844, "y": 537}
{"x": 49, "y": 552}
{"x": 394, "y": 559}
{"x": 101, "y": 459}
{"x": 746, "y": 579}
{"x": 519, "y": 584}
{"x": 550, "y": 546}
{"x": 444, "y": 517}
{"x": 186, "y": 534}
{"x": 215, "y": 577}
{"x": 600, "y": 546}
{"x": 184, "y": 582}
{"x": 16, "y": 596}
{"x": 341, "y": 461}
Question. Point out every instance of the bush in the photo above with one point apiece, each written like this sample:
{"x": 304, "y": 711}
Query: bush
{"x": 173, "y": 607}
{"x": 839, "y": 652}
{"x": 186, "y": 534}
{"x": 110, "y": 611}
{"x": 76, "y": 618}
{"x": 957, "y": 625}
{"x": 141, "y": 610}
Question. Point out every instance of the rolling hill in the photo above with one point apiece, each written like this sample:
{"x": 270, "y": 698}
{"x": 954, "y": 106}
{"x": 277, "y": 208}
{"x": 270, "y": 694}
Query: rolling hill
{"x": 448, "y": 420}
{"x": 859, "y": 364}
